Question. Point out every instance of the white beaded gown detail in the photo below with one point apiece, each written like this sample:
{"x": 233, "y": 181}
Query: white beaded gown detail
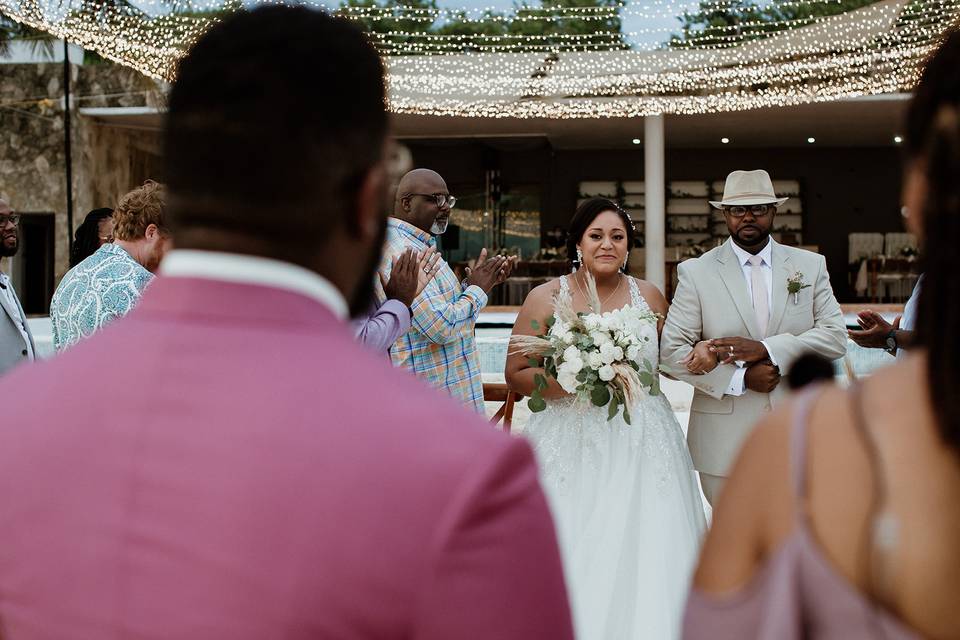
{"x": 627, "y": 508}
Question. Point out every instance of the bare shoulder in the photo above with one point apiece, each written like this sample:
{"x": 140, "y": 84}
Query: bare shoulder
{"x": 652, "y": 295}
{"x": 538, "y": 305}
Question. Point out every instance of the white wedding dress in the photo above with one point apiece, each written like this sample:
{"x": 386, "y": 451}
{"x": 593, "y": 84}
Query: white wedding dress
{"x": 627, "y": 509}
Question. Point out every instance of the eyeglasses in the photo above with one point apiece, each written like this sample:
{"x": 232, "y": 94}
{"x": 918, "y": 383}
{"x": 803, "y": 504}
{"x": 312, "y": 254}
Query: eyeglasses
{"x": 440, "y": 198}
{"x": 106, "y": 239}
{"x": 758, "y": 210}
{"x": 13, "y": 218}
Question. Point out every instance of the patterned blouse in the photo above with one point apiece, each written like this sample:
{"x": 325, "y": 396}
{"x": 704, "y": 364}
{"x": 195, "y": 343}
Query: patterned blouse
{"x": 440, "y": 348}
{"x": 104, "y": 286}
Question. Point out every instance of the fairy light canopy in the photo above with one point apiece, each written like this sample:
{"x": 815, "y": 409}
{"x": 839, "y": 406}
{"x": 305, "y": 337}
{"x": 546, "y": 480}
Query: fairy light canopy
{"x": 606, "y": 71}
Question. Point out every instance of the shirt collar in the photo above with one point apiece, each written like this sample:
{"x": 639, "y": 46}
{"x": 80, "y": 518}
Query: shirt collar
{"x": 766, "y": 254}
{"x": 408, "y": 229}
{"x": 116, "y": 250}
{"x": 246, "y": 269}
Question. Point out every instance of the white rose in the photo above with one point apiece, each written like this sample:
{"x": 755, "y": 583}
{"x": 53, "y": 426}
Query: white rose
{"x": 608, "y": 353}
{"x": 592, "y": 322}
{"x": 594, "y": 360}
{"x": 600, "y": 337}
{"x": 568, "y": 381}
{"x": 615, "y": 321}
{"x": 618, "y": 353}
{"x": 606, "y": 373}
{"x": 633, "y": 353}
{"x": 571, "y": 353}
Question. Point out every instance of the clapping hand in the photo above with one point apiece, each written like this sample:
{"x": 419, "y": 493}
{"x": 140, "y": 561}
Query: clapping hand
{"x": 489, "y": 272}
{"x": 701, "y": 359}
{"x": 409, "y": 274}
{"x": 427, "y": 268}
{"x": 731, "y": 350}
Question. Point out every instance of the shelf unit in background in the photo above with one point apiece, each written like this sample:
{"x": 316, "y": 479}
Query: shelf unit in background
{"x": 690, "y": 220}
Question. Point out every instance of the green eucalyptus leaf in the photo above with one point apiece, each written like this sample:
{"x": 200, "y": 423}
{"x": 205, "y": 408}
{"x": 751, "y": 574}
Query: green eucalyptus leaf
{"x": 540, "y": 381}
{"x": 655, "y": 387}
{"x": 552, "y": 320}
{"x": 582, "y": 376}
{"x": 536, "y": 403}
{"x": 626, "y": 414}
{"x": 600, "y": 395}
{"x": 533, "y": 362}
{"x": 614, "y": 405}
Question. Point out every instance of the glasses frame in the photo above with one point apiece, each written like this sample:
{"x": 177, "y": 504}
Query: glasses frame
{"x": 758, "y": 210}
{"x": 439, "y": 199}
{"x": 15, "y": 218}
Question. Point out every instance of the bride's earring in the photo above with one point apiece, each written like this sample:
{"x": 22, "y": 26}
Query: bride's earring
{"x": 625, "y": 263}
{"x": 579, "y": 258}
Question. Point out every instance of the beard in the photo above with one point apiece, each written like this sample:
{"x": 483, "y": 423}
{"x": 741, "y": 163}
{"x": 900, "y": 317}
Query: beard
{"x": 362, "y": 298}
{"x": 759, "y": 240}
{"x": 8, "y": 248}
{"x": 438, "y": 228}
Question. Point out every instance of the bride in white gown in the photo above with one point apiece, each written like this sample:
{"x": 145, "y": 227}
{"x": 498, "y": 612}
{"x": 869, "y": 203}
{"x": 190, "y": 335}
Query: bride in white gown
{"x": 624, "y": 496}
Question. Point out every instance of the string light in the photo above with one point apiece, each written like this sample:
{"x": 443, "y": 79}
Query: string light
{"x": 876, "y": 49}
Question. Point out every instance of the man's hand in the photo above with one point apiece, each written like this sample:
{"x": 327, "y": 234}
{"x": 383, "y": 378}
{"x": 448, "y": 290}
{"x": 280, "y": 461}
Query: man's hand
{"x": 730, "y": 350}
{"x": 507, "y": 269}
{"x": 487, "y": 273}
{"x": 700, "y": 360}
{"x": 403, "y": 284}
{"x": 762, "y": 377}
{"x": 874, "y": 330}
{"x": 427, "y": 268}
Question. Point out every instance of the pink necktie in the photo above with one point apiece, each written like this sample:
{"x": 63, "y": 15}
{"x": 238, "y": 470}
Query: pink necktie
{"x": 761, "y": 306}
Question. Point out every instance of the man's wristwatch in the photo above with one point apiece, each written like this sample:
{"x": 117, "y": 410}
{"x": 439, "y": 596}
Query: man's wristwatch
{"x": 891, "y": 342}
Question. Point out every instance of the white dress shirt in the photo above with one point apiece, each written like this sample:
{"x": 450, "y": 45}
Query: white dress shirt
{"x": 737, "y": 383}
{"x": 21, "y": 322}
{"x": 246, "y": 269}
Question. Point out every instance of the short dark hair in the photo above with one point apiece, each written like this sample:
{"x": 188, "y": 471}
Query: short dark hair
{"x": 86, "y": 240}
{"x": 933, "y": 133}
{"x": 585, "y": 214}
{"x": 275, "y": 118}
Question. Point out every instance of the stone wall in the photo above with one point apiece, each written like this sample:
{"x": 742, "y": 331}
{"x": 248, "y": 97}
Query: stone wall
{"x": 32, "y": 154}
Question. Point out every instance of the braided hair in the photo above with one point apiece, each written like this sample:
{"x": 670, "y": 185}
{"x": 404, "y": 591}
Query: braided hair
{"x": 87, "y": 238}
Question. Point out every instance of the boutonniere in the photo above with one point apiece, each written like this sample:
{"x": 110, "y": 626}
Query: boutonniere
{"x": 795, "y": 284}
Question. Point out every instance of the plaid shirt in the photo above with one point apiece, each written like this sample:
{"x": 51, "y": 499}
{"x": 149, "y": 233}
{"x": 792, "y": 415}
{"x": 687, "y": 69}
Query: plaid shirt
{"x": 440, "y": 347}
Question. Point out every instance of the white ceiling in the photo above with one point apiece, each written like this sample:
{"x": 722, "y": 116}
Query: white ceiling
{"x": 859, "y": 122}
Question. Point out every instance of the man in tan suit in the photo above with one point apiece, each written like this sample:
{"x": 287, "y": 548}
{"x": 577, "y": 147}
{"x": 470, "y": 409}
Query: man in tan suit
{"x": 739, "y": 296}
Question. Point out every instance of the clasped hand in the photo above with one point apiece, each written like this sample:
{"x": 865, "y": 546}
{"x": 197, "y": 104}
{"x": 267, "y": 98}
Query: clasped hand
{"x": 705, "y": 355}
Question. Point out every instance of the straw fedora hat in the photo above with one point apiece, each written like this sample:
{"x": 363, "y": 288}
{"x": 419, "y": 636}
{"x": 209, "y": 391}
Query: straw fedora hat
{"x": 745, "y": 188}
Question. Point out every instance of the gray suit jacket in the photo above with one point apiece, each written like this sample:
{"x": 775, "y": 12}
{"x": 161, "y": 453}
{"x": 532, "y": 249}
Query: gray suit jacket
{"x": 13, "y": 348}
{"x": 712, "y": 301}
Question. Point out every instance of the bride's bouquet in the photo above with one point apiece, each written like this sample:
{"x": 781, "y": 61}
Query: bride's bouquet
{"x": 595, "y": 356}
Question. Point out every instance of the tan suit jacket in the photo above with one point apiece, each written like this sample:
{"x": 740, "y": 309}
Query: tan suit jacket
{"x": 713, "y": 301}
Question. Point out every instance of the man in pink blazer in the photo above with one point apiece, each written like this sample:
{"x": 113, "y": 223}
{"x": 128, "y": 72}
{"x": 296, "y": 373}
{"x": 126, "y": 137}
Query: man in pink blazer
{"x": 225, "y": 462}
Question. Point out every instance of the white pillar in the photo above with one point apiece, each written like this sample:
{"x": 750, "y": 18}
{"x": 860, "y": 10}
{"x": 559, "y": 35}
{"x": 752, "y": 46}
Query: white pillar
{"x": 654, "y": 179}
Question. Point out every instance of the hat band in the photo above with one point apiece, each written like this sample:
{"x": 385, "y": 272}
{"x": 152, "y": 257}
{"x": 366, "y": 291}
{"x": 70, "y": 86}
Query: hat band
{"x": 741, "y": 196}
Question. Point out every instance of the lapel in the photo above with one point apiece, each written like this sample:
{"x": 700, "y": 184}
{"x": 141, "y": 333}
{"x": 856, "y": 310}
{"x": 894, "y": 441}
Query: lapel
{"x": 782, "y": 270}
{"x": 12, "y": 312}
{"x": 732, "y": 275}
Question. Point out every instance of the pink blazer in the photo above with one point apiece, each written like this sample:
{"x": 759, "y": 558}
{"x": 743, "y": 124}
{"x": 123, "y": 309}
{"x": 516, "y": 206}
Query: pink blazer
{"x": 225, "y": 462}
